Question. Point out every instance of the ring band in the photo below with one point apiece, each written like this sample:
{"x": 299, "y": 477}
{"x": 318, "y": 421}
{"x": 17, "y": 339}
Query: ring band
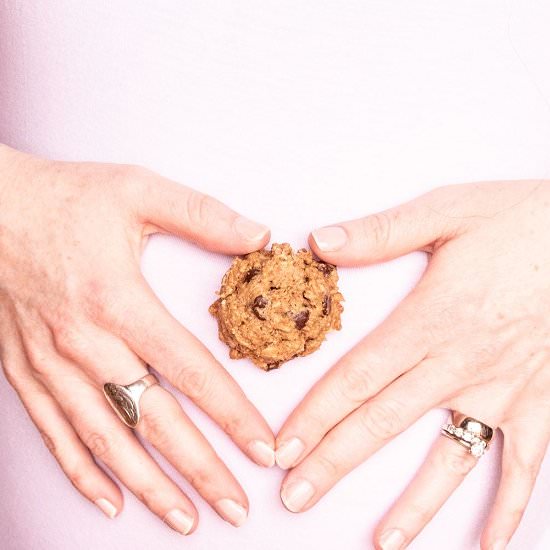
{"x": 125, "y": 399}
{"x": 470, "y": 433}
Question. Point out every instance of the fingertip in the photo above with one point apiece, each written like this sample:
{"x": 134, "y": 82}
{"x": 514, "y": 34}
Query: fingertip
{"x": 288, "y": 452}
{"x": 329, "y": 238}
{"x": 232, "y": 511}
{"x": 297, "y": 494}
{"x": 252, "y": 235}
{"x": 336, "y": 253}
{"x": 491, "y": 542}
{"x": 107, "y": 507}
{"x": 182, "y": 522}
{"x": 390, "y": 539}
{"x": 262, "y": 453}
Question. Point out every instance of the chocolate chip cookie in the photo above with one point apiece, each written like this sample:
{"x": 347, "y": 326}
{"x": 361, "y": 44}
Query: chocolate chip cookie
{"x": 276, "y": 305}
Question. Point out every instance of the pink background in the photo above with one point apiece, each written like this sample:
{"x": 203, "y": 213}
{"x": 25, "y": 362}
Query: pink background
{"x": 296, "y": 113}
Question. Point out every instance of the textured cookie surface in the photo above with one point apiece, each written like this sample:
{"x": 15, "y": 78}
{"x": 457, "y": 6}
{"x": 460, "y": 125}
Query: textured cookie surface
{"x": 276, "y": 305}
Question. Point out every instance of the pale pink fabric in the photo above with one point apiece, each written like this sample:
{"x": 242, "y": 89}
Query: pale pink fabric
{"x": 296, "y": 113}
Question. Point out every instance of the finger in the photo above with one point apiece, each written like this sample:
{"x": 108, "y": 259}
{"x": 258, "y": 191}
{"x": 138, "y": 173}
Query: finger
{"x": 416, "y": 225}
{"x": 178, "y": 209}
{"x": 164, "y": 424}
{"x": 397, "y": 345}
{"x": 363, "y": 432}
{"x": 153, "y": 334}
{"x": 112, "y": 443}
{"x": 172, "y": 433}
{"x": 63, "y": 442}
{"x": 522, "y": 455}
{"x": 443, "y": 471}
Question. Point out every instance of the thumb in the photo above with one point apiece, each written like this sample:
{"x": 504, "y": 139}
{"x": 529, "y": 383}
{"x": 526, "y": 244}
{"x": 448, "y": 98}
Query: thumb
{"x": 416, "y": 225}
{"x": 170, "y": 207}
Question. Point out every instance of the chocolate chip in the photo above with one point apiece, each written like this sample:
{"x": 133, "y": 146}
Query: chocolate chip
{"x": 250, "y": 274}
{"x": 273, "y": 366}
{"x": 259, "y": 303}
{"x": 300, "y": 319}
{"x": 257, "y": 314}
{"x": 325, "y": 269}
{"x": 327, "y": 304}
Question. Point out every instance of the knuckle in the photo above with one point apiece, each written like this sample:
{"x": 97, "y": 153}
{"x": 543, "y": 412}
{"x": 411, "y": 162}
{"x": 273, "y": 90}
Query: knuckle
{"x": 357, "y": 382}
{"x": 378, "y": 227}
{"x": 79, "y": 477}
{"x": 381, "y": 420}
{"x": 12, "y": 374}
{"x": 50, "y": 444}
{"x": 194, "y": 382}
{"x": 156, "y": 428}
{"x": 100, "y": 445}
{"x": 421, "y": 514}
{"x": 128, "y": 176}
{"x": 148, "y": 496}
{"x": 101, "y": 301}
{"x": 199, "y": 208}
{"x": 515, "y": 515}
{"x": 328, "y": 465}
{"x": 524, "y": 467}
{"x": 233, "y": 425}
{"x": 40, "y": 360}
{"x": 458, "y": 462}
{"x": 69, "y": 341}
{"x": 201, "y": 479}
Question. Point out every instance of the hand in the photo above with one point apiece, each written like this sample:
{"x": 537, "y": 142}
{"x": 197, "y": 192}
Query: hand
{"x": 76, "y": 312}
{"x": 473, "y": 337}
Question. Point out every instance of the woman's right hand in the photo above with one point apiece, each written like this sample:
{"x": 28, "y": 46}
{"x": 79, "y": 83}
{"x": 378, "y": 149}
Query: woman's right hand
{"x": 76, "y": 312}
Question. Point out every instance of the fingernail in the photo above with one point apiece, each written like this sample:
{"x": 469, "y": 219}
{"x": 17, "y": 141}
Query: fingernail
{"x": 108, "y": 508}
{"x": 179, "y": 521}
{"x": 329, "y": 239}
{"x": 499, "y": 544}
{"x": 392, "y": 540}
{"x": 297, "y": 494}
{"x": 231, "y": 511}
{"x": 262, "y": 453}
{"x": 250, "y": 230}
{"x": 289, "y": 452}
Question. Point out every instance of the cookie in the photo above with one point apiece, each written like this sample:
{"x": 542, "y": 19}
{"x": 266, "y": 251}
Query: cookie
{"x": 276, "y": 305}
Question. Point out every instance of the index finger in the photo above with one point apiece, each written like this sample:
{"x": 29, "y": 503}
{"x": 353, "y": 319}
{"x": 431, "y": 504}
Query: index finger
{"x": 161, "y": 341}
{"x": 393, "y": 348}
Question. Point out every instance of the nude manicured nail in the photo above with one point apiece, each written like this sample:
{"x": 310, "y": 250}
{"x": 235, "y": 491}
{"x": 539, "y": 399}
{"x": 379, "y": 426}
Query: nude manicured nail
{"x": 393, "y": 539}
{"x": 262, "y": 453}
{"x": 250, "y": 230}
{"x": 289, "y": 452}
{"x": 179, "y": 521}
{"x": 297, "y": 494}
{"x": 499, "y": 544}
{"x": 231, "y": 511}
{"x": 107, "y": 507}
{"x": 329, "y": 239}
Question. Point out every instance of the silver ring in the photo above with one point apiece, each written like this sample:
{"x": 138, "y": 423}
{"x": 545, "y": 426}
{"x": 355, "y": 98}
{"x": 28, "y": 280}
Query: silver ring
{"x": 470, "y": 433}
{"x": 125, "y": 399}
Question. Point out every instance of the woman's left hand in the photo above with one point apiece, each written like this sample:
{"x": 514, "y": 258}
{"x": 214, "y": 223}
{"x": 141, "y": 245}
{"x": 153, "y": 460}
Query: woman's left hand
{"x": 472, "y": 337}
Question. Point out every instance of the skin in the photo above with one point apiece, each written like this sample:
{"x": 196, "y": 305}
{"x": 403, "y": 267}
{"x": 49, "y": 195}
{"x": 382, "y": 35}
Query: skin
{"x": 76, "y": 312}
{"x": 472, "y": 337}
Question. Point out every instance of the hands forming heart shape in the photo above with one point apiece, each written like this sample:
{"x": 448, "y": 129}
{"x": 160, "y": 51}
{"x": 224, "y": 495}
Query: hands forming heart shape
{"x": 472, "y": 337}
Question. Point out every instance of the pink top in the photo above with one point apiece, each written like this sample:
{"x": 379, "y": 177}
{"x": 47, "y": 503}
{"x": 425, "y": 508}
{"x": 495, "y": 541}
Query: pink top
{"x": 299, "y": 114}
